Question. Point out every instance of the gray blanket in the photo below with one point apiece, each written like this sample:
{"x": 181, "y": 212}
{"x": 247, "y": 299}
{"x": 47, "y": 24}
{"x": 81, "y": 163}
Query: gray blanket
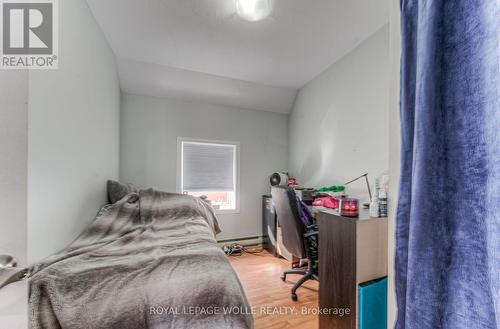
{"x": 151, "y": 261}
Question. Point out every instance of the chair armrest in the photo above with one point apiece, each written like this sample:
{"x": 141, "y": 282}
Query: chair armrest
{"x": 312, "y": 227}
{"x": 309, "y": 234}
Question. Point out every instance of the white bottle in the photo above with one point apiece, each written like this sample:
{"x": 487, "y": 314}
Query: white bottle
{"x": 382, "y": 203}
{"x": 374, "y": 211}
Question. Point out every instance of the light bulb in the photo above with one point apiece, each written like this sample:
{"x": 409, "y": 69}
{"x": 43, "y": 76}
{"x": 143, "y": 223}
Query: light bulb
{"x": 253, "y": 10}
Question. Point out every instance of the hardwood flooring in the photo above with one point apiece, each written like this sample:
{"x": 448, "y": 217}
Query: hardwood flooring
{"x": 260, "y": 275}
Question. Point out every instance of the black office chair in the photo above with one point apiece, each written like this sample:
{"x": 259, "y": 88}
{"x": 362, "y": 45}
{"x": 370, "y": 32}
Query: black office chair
{"x": 300, "y": 240}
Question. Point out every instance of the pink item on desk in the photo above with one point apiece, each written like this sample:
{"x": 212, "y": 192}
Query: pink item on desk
{"x": 292, "y": 182}
{"x": 326, "y": 201}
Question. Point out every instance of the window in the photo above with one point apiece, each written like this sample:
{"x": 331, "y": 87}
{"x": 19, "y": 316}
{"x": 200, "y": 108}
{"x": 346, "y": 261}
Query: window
{"x": 210, "y": 168}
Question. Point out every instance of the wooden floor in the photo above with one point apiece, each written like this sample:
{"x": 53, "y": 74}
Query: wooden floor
{"x": 260, "y": 276}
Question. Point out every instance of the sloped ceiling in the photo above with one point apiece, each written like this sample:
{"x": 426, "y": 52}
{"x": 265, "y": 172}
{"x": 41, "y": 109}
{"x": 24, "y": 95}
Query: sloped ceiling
{"x": 201, "y": 50}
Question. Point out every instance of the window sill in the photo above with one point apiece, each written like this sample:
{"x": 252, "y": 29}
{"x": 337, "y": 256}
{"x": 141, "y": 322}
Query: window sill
{"x": 226, "y": 211}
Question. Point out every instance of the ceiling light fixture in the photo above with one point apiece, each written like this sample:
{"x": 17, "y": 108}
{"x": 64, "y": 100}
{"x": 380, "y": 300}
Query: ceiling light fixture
{"x": 253, "y": 10}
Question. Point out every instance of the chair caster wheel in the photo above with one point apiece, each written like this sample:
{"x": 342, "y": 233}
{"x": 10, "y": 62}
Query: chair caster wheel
{"x": 294, "y": 297}
{"x": 283, "y": 278}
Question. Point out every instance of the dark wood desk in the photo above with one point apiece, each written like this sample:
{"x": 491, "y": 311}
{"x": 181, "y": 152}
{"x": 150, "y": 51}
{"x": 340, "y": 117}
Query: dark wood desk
{"x": 351, "y": 251}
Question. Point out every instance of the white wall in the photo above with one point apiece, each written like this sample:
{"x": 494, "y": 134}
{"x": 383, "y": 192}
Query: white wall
{"x": 13, "y": 159}
{"x": 73, "y": 133}
{"x": 394, "y": 153}
{"x": 338, "y": 128}
{"x": 13, "y": 176}
{"x": 150, "y": 127}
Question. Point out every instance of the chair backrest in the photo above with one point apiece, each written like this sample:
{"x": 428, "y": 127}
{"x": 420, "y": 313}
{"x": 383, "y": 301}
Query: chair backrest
{"x": 292, "y": 227}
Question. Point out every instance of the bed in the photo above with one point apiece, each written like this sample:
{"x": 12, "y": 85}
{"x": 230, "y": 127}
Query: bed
{"x": 148, "y": 261}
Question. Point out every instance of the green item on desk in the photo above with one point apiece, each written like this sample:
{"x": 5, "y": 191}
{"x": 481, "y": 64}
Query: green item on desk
{"x": 333, "y": 188}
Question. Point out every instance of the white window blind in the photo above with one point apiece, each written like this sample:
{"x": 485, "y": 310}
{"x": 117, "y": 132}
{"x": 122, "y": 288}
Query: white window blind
{"x": 208, "y": 167}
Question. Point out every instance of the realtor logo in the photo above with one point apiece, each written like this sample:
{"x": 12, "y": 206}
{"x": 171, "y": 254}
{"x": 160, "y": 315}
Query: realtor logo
{"x": 29, "y": 34}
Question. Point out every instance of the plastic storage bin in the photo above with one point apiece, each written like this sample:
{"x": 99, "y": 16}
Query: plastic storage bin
{"x": 373, "y": 304}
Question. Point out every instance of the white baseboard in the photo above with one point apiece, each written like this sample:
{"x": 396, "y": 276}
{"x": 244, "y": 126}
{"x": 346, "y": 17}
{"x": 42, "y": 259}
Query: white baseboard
{"x": 250, "y": 241}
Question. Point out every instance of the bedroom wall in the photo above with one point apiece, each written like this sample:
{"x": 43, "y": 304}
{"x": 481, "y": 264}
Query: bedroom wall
{"x": 149, "y": 130}
{"x": 73, "y": 133}
{"x": 394, "y": 155}
{"x": 338, "y": 127}
{"x": 13, "y": 159}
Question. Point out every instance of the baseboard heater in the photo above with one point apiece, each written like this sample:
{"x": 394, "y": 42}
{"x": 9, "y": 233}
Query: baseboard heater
{"x": 244, "y": 241}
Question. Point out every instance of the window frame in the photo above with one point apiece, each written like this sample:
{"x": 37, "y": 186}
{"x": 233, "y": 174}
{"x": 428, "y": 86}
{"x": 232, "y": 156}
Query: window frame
{"x": 179, "y": 187}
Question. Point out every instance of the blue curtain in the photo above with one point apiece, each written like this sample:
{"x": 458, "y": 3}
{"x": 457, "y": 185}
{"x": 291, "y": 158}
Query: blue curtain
{"x": 448, "y": 220}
